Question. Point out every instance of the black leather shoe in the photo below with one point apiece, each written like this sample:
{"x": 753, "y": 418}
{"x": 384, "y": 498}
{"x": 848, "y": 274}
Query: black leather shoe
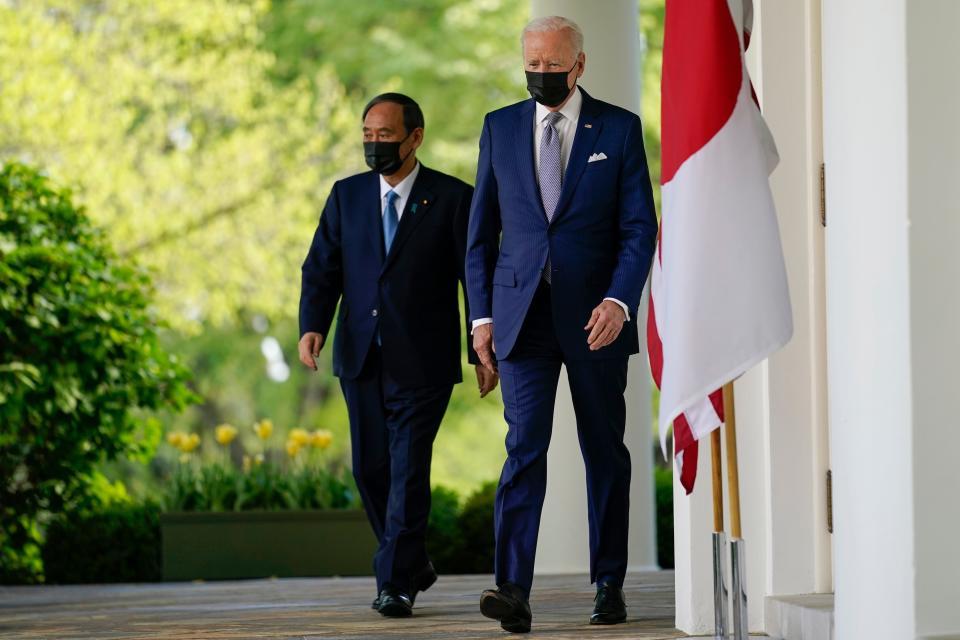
{"x": 509, "y": 605}
{"x": 609, "y": 606}
{"x": 375, "y": 605}
{"x": 395, "y": 603}
{"x": 422, "y": 580}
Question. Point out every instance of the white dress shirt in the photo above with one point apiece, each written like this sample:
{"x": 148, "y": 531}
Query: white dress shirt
{"x": 567, "y": 128}
{"x": 402, "y": 190}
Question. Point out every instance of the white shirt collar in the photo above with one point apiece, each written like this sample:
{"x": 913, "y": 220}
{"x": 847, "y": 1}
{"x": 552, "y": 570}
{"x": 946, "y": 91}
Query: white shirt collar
{"x": 570, "y": 111}
{"x": 404, "y": 188}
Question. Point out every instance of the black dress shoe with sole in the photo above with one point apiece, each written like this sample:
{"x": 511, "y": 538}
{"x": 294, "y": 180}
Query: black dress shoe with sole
{"x": 609, "y": 606}
{"x": 421, "y": 581}
{"x": 509, "y": 605}
{"x": 395, "y": 603}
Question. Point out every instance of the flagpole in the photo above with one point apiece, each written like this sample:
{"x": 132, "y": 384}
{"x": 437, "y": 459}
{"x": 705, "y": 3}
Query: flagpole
{"x": 719, "y": 542}
{"x": 737, "y": 548}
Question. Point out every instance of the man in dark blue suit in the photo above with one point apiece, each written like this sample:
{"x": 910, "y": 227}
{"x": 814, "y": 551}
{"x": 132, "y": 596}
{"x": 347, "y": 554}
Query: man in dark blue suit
{"x": 390, "y": 249}
{"x": 562, "y": 232}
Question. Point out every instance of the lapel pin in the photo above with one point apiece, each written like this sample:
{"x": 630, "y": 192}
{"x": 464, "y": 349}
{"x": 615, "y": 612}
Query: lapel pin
{"x": 413, "y": 208}
{"x": 425, "y": 202}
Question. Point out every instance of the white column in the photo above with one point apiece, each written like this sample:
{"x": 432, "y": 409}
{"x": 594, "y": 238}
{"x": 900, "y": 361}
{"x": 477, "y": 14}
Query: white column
{"x": 933, "y": 140}
{"x": 781, "y": 403}
{"x": 611, "y": 43}
{"x": 892, "y": 147}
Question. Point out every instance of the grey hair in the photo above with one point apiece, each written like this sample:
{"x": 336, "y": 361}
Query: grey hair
{"x": 555, "y": 23}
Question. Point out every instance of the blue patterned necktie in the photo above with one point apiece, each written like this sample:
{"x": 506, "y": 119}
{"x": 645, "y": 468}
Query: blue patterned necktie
{"x": 551, "y": 173}
{"x": 390, "y": 221}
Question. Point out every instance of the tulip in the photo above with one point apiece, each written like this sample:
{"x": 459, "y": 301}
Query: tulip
{"x": 225, "y": 434}
{"x": 293, "y": 448}
{"x": 300, "y": 436}
{"x": 189, "y": 443}
{"x": 321, "y": 439}
{"x": 264, "y": 428}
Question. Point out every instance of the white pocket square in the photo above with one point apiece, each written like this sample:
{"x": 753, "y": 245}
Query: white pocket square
{"x": 597, "y": 156}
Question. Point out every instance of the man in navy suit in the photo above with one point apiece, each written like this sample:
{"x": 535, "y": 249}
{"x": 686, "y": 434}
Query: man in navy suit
{"x": 390, "y": 249}
{"x": 561, "y": 236}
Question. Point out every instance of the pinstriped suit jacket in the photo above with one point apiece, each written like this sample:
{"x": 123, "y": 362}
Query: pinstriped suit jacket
{"x": 600, "y": 241}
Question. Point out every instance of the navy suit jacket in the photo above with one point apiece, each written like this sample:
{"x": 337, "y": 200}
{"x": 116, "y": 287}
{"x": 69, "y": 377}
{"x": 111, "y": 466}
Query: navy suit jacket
{"x": 600, "y": 241}
{"x": 410, "y": 295}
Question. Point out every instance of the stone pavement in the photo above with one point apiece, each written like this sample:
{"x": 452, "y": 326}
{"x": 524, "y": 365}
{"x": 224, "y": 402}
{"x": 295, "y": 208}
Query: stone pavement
{"x": 318, "y": 608}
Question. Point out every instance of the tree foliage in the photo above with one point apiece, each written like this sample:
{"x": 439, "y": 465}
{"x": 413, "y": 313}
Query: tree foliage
{"x": 79, "y": 359}
{"x": 163, "y": 116}
{"x": 458, "y": 58}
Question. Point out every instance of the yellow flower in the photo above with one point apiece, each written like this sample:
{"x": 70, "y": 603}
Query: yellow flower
{"x": 264, "y": 428}
{"x": 258, "y": 459}
{"x": 293, "y": 448}
{"x": 189, "y": 443}
{"x": 300, "y": 436}
{"x": 247, "y": 463}
{"x": 176, "y": 438}
{"x": 321, "y": 439}
{"x": 225, "y": 434}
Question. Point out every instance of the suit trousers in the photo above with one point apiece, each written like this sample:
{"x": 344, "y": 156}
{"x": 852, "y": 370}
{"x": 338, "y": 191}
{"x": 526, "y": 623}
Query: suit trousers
{"x": 392, "y": 429}
{"x": 529, "y": 378}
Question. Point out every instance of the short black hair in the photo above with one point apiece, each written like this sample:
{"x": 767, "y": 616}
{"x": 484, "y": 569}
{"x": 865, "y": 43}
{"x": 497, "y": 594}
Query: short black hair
{"x": 412, "y": 115}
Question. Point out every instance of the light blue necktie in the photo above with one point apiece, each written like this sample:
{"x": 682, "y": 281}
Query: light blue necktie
{"x": 390, "y": 221}
{"x": 551, "y": 173}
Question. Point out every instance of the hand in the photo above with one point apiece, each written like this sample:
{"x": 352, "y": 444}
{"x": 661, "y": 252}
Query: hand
{"x": 486, "y": 379}
{"x": 605, "y": 324}
{"x": 309, "y": 346}
{"x": 483, "y": 345}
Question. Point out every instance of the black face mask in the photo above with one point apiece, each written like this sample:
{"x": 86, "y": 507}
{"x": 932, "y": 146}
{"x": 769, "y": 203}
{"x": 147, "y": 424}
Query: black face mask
{"x": 384, "y": 157}
{"x": 549, "y": 89}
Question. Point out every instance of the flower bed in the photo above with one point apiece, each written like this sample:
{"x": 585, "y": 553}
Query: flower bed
{"x": 267, "y": 516}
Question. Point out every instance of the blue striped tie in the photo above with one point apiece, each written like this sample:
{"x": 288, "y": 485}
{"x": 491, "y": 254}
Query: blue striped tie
{"x": 551, "y": 173}
{"x": 390, "y": 221}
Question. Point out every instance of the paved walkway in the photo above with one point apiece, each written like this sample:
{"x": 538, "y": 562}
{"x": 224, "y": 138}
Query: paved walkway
{"x": 318, "y": 608}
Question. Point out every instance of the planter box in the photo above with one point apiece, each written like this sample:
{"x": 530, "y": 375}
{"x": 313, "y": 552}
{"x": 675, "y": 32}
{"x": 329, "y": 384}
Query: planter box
{"x": 258, "y": 544}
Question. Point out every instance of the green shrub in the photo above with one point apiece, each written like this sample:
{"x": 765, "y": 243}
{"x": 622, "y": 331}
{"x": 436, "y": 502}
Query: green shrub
{"x": 118, "y": 544}
{"x": 663, "y": 479}
{"x": 476, "y": 531}
{"x": 443, "y": 534}
{"x": 79, "y": 361}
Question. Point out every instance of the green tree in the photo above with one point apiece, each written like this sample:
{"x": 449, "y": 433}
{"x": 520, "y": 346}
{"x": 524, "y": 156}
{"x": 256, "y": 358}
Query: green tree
{"x": 458, "y": 58}
{"x": 164, "y": 118}
{"x": 651, "y": 32}
{"x": 79, "y": 361}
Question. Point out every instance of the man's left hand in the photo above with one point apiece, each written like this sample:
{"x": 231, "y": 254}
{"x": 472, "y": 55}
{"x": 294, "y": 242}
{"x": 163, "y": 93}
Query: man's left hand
{"x": 605, "y": 324}
{"x": 486, "y": 380}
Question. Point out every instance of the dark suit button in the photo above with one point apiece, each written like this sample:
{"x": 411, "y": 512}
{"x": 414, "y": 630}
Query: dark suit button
{"x": 374, "y": 313}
